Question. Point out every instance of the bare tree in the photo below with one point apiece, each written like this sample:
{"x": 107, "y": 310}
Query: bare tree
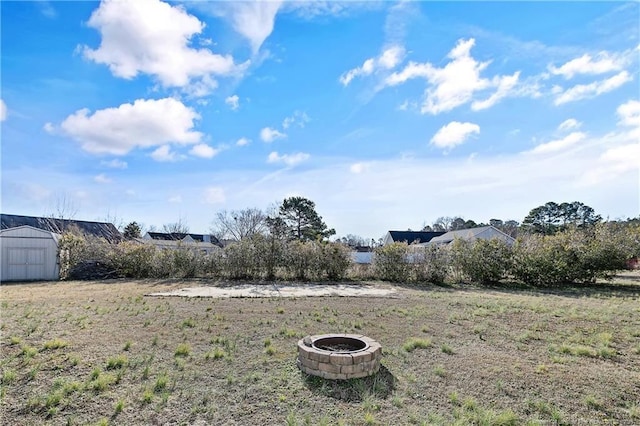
{"x": 179, "y": 227}
{"x": 354, "y": 241}
{"x": 114, "y": 219}
{"x": 443, "y": 223}
{"x": 63, "y": 207}
{"x": 239, "y": 224}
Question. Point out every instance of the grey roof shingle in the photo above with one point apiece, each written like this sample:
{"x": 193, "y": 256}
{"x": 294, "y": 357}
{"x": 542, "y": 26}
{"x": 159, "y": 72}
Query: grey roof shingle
{"x": 97, "y": 229}
{"x": 414, "y": 236}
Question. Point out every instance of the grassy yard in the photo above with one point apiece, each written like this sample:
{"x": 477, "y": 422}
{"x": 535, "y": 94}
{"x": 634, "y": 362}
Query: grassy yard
{"x": 103, "y": 353}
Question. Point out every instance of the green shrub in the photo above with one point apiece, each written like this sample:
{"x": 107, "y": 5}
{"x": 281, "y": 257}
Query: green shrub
{"x": 391, "y": 262}
{"x": 336, "y": 260}
{"x": 576, "y": 255}
{"x": 269, "y": 254}
{"x": 430, "y": 264}
{"x": 133, "y": 260}
{"x": 239, "y": 260}
{"x": 486, "y": 261}
{"x": 303, "y": 260}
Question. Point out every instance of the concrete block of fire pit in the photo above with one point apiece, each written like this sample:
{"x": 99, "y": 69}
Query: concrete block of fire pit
{"x": 339, "y": 356}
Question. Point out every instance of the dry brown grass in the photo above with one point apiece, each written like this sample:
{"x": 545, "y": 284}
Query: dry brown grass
{"x": 85, "y": 353}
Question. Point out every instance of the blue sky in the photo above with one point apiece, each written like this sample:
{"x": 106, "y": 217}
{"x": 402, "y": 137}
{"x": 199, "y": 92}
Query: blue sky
{"x": 386, "y": 114}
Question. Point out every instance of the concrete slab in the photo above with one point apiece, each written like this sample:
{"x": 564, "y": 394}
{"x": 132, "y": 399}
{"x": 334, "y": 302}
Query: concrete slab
{"x": 282, "y": 290}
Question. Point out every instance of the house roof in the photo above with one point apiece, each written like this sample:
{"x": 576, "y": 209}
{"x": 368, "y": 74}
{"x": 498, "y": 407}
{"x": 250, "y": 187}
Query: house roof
{"x": 97, "y": 229}
{"x": 414, "y": 236}
{"x": 179, "y": 236}
{"x": 470, "y": 234}
{"x": 178, "y": 244}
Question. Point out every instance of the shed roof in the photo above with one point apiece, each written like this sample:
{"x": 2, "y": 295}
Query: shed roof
{"x": 19, "y": 230}
{"x": 97, "y": 229}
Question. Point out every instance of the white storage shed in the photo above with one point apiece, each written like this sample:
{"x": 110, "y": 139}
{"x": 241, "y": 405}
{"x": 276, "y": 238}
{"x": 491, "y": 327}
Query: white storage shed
{"x": 28, "y": 254}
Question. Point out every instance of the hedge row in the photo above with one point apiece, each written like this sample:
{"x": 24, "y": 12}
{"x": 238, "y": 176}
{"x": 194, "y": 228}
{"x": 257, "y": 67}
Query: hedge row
{"x": 573, "y": 256}
{"x": 256, "y": 258}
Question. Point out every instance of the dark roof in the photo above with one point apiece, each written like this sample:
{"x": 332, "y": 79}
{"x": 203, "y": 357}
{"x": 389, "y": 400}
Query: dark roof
{"x": 414, "y": 236}
{"x": 97, "y": 229}
{"x": 177, "y": 236}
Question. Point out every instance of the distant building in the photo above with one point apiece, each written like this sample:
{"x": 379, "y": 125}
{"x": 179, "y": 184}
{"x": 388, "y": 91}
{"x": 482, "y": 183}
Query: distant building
{"x": 410, "y": 237}
{"x": 362, "y": 254}
{"x": 59, "y": 226}
{"x": 29, "y": 244}
{"x": 28, "y": 254}
{"x": 473, "y": 234}
{"x": 163, "y": 240}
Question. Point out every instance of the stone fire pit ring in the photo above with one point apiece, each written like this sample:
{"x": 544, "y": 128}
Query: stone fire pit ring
{"x": 339, "y": 356}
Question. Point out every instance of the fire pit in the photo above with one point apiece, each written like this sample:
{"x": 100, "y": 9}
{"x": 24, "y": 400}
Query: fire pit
{"x": 339, "y": 356}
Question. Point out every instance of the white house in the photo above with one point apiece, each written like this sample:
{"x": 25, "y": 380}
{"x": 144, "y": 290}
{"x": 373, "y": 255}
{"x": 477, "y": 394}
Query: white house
{"x": 473, "y": 234}
{"x": 28, "y": 254}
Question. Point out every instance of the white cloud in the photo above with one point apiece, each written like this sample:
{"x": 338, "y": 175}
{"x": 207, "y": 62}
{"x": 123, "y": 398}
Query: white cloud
{"x": 299, "y": 118}
{"x": 243, "y": 141}
{"x": 454, "y": 133}
{"x": 586, "y": 91}
{"x": 164, "y": 154}
{"x": 629, "y": 113}
{"x": 387, "y": 60}
{"x": 406, "y": 105}
{"x": 504, "y": 84}
{"x": 624, "y": 157}
{"x": 114, "y": 164}
{"x": 143, "y": 124}
{"x": 569, "y": 124}
{"x": 288, "y": 159}
{"x": 153, "y": 37}
{"x": 313, "y": 9}
{"x": 253, "y": 20}
{"x": 49, "y": 128}
{"x": 47, "y": 9}
{"x": 175, "y": 199}
{"x": 269, "y": 135}
{"x": 233, "y": 102}
{"x": 214, "y": 195}
{"x": 623, "y": 150}
{"x": 586, "y": 64}
{"x": 204, "y": 151}
{"x": 613, "y": 163}
{"x": 3, "y": 110}
{"x": 456, "y": 83}
{"x": 561, "y": 144}
{"x": 102, "y": 178}
{"x": 357, "y": 168}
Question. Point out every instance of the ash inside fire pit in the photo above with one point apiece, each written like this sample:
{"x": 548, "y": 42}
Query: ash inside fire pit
{"x": 340, "y": 344}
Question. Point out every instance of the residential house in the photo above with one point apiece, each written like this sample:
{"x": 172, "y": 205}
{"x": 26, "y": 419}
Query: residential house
{"x": 163, "y": 240}
{"x": 473, "y": 234}
{"x": 410, "y": 237}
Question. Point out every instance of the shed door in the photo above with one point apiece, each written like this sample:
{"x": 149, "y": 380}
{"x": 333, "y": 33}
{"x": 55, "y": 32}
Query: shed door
{"x": 27, "y": 264}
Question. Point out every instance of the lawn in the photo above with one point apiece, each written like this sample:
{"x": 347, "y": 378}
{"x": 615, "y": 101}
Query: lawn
{"x": 104, "y": 353}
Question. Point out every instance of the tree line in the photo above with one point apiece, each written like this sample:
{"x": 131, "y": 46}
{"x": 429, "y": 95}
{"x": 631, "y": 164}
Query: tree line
{"x": 295, "y": 218}
{"x": 558, "y": 243}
